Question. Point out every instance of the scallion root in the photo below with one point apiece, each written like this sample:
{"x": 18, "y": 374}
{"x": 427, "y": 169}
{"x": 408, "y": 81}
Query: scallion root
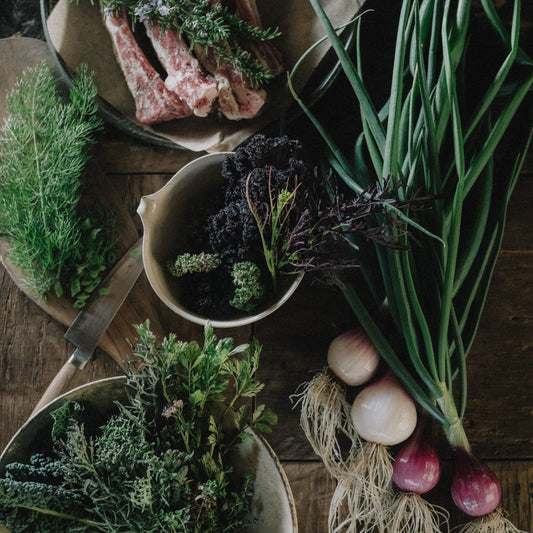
{"x": 325, "y": 416}
{"x": 494, "y": 522}
{"x": 364, "y": 494}
{"x": 411, "y": 513}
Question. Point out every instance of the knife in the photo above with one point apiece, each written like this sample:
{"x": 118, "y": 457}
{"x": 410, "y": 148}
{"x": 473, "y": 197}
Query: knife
{"x": 91, "y": 323}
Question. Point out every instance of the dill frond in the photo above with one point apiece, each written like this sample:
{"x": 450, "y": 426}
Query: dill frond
{"x": 43, "y": 155}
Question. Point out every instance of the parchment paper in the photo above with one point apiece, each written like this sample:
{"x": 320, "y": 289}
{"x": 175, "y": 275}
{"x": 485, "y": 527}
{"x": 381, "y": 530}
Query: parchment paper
{"x": 78, "y": 34}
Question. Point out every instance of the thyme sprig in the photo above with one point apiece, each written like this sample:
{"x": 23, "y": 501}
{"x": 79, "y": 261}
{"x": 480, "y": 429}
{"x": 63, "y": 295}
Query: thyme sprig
{"x": 208, "y": 24}
{"x": 43, "y": 155}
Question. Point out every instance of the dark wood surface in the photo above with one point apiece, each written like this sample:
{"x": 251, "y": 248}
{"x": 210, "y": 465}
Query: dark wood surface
{"x": 295, "y": 339}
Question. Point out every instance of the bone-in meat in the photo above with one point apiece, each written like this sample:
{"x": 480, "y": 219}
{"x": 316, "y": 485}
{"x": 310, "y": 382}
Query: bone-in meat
{"x": 237, "y": 99}
{"x": 185, "y": 76}
{"x": 153, "y": 100}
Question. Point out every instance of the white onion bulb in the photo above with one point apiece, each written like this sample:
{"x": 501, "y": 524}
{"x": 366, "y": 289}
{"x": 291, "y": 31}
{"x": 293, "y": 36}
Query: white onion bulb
{"x": 383, "y": 412}
{"x": 352, "y": 357}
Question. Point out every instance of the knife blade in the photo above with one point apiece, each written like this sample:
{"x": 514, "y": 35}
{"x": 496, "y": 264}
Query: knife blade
{"x": 92, "y": 322}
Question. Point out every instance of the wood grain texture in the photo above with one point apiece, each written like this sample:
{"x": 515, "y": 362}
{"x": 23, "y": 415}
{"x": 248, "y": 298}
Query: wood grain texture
{"x": 499, "y": 417}
{"x": 295, "y": 341}
{"x": 313, "y": 487}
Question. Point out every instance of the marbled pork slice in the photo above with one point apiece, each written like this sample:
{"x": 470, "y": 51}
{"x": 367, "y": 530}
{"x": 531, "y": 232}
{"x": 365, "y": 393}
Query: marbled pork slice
{"x": 185, "y": 75}
{"x": 237, "y": 99}
{"x": 153, "y": 101}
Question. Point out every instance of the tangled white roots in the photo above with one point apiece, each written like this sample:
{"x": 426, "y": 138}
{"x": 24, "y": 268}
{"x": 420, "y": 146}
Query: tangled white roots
{"x": 364, "y": 495}
{"x": 325, "y": 417}
{"x": 411, "y": 513}
{"x": 495, "y": 522}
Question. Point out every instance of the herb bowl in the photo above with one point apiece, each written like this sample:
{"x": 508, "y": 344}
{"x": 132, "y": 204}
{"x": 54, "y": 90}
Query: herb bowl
{"x": 166, "y": 216}
{"x": 272, "y": 502}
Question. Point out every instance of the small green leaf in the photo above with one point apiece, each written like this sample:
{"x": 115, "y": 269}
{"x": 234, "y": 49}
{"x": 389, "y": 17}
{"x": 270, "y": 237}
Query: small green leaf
{"x": 75, "y": 286}
{"x": 58, "y": 288}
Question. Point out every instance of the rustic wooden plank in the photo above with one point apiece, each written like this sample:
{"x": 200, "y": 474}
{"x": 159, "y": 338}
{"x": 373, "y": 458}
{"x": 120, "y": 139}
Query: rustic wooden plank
{"x": 33, "y": 350}
{"x": 295, "y": 341}
{"x": 121, "y": 154}
{"x": 500, "y": 407}
{"x": 313, "y": 487}
{"x": 517, "y": 234}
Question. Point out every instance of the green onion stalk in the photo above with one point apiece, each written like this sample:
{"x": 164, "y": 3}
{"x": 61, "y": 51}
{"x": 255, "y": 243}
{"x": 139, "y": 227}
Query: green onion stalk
{"x": 436, "y": 136}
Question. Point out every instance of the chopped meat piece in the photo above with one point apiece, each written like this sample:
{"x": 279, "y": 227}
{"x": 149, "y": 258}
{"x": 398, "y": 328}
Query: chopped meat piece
{"x": 247, "y": 11}
{"x": 153, "y": 101}
{"x": 185, "y": 75}
{"x": 237, "y": 99}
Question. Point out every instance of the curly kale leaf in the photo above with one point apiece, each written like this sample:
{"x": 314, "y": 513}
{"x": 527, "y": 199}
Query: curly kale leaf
{"x": 30, "y": 506}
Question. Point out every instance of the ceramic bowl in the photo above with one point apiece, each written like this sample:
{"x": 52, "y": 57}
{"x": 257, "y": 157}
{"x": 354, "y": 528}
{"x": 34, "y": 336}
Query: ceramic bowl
{"x": 166, "y": 217}
{"x": 272, "y": 502}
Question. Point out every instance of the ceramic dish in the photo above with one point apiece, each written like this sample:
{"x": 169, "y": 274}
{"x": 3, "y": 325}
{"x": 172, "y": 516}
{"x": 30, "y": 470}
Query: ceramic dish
{"x": 166, "y": 216}
{"x": 272, "y": 502}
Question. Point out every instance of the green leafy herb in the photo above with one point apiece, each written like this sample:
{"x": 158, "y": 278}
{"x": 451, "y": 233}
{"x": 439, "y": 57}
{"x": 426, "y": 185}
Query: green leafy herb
{"x": 249, "y": 290}
{"x": 187, "y": 263}
{"x": 162, "y": 462}
{"x": 277, "y": 212}
{"x": 43, "y": 154}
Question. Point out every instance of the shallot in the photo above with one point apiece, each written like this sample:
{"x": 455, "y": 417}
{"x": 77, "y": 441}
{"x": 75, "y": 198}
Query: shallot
{"x": 416, "y": 466}
{"x": 475, "y": 488}
{"x": 383, "y": 412}
{"x": 416, "y": 470}
{"x": 352, "y": 357}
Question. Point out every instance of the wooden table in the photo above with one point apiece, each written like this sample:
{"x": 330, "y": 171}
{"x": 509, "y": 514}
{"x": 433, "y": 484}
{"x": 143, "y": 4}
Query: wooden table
{"x": 295, "y": 340}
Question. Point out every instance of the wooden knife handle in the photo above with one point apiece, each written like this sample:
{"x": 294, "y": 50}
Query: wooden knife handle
{"x": 56, "y": 387}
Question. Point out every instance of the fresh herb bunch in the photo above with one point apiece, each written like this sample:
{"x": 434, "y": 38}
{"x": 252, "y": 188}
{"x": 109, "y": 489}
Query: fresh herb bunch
{"x": 208, "y": 24}
{"x": 162, "y": 462}
{"x": 188, "y": 263}
{"x": 249, "y": 290}
{"x": 43, "y": 154}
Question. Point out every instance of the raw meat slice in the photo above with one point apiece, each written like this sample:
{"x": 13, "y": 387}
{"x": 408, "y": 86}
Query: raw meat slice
{"x": 153, "y": 101}
{"x": 237, "y": 99}
{"x": 185, "y": 75}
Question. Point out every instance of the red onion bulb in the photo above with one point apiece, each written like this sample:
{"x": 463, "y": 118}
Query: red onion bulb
{"x": 416, "y": 467}
{"x": 352, "y": 357}
{"x": 475, "y": 488}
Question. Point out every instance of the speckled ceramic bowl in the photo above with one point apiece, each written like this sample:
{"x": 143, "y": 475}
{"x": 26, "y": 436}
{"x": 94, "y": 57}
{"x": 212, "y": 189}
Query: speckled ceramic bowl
{"x": 166, "y": 217}
{"x": 272, "y": 502}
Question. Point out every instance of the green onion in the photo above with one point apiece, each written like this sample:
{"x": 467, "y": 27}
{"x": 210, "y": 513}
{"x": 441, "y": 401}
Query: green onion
{"x": 428, "y": 140}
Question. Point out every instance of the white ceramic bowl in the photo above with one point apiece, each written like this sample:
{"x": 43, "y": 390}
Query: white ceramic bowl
{"x": 165, "y": 216}
{"x": 272, "y": 502}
